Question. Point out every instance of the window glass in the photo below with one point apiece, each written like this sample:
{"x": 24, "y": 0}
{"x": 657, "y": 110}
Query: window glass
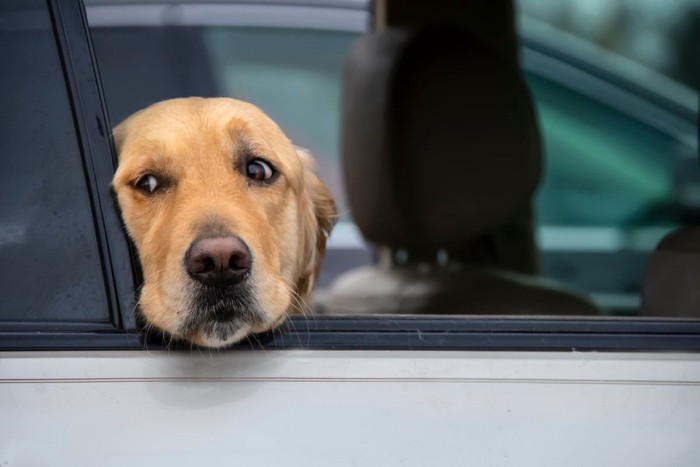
{"x": 49, "y": 258}
{"x": 609, "y": 194}
{"x": 660, "y": 35}
{"x": 615, "y": 179}
{"x": 603, "y": 168}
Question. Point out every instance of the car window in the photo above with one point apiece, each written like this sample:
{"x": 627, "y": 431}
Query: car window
{"x": 607, "y": 194}
{"x": 619, "y": 138}
{"x": 610, "y": 193}
{"x": 603, "y": 168}
{"x": 49, "y": 256}
{"x": 659, "y": 35}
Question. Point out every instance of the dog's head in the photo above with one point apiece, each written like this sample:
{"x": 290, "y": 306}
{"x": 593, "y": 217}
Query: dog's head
{"x": 228, "y": 218}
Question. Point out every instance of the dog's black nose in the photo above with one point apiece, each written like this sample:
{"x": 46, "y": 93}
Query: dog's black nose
{"x": 218, "y": 262}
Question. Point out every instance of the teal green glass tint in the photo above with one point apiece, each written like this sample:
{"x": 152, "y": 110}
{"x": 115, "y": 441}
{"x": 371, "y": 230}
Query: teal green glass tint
{"x": 603, "y": 168}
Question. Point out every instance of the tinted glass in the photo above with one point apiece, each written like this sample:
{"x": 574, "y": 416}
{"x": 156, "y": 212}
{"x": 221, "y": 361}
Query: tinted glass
{"x": 603, "y": 168}
{"x": 609, "y": 194}
{"x": 49, "y": 259}
{"x": 660, "y": 35}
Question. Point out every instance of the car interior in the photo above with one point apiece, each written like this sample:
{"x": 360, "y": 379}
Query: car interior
{"x": 458, "y": 162}
{"x": 672, "y": 275}
{"x": 478, "y": 174}
{"x": 454, "y": 228}
{"x": 513, "y": 278}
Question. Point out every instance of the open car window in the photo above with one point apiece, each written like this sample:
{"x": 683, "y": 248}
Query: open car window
{"x": 609, "y": 191}
{"x": 612, "y": 186}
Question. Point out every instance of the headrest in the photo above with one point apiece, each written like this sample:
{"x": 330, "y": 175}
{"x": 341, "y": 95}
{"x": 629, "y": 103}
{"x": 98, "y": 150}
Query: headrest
{"x": 439, "y": 138}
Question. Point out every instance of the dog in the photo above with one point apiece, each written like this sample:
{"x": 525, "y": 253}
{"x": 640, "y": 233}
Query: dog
{"x": 228, "y": 218}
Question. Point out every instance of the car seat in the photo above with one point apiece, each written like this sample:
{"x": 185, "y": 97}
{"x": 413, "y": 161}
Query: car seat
{"x": 671, "y": 284}
{"x": 441, "y": 157}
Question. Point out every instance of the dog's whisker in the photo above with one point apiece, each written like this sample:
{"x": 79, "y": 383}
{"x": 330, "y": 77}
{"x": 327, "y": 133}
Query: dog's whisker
{"x": 301, "y": 306}
{"x": 260, "y": 345}
{"x": 298, "y": 301}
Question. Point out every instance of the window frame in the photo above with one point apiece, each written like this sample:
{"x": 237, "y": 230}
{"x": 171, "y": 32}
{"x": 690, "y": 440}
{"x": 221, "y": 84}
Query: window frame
{"x": 99, "y": 156}
{"x": 371, "y": 332}
{"x": 410, "y": 333}
{"x": 92, "y": 131}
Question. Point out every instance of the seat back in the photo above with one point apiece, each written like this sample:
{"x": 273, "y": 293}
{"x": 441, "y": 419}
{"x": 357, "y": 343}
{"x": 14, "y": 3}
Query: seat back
{"x": 439, "y": 136}
{"x": 441, "y": 156}
{"x": 672, "y": 284}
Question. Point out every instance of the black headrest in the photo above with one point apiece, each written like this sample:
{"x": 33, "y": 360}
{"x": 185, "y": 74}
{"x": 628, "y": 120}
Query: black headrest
{"x": 440, "y": 143}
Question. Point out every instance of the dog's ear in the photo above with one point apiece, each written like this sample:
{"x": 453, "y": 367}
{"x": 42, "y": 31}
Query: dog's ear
{"x": 118, "y": 136}
{"x": 318, "y": 216}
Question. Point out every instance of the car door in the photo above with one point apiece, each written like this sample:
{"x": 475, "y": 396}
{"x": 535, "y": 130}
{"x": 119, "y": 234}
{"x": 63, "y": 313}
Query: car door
{"x": 80, "y": 385}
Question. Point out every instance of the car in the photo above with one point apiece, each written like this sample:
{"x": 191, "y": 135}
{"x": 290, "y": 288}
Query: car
{"x": 287, "y": 57}
{"x": 81, "y": 384}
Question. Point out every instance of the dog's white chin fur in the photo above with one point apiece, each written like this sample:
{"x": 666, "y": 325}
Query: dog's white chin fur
{"x": 206, "y": 341}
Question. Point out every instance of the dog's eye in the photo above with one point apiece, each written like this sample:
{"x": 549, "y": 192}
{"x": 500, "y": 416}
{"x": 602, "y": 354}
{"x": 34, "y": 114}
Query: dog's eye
{"x": 147, "y": 183}
{"x": 259, "y": 170}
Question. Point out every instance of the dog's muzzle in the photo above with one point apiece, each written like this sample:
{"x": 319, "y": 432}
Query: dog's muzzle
{"x": 222, "y": 296}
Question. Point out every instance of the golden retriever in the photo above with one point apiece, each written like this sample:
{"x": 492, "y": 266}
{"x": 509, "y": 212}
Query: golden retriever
{"x": 228, "y": 218}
